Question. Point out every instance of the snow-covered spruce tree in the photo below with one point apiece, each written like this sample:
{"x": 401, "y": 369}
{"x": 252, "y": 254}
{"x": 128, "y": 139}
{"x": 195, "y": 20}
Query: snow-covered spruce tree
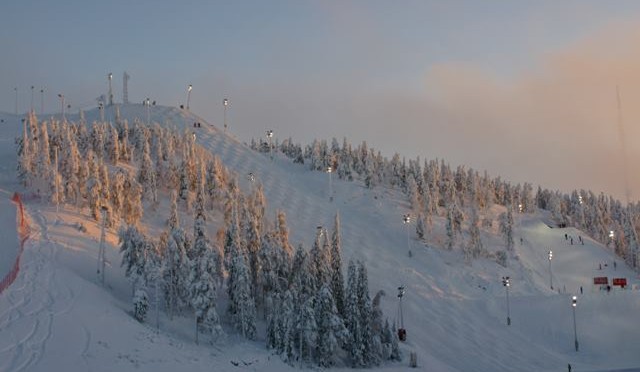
{"x": 377, "y": 328}
{"x": 232, "y": 239}
{"x": 203, "y": 273}
{"x": 269, "y": 283}
{"x": 306, "y": 328}
{"x": 284, "y": 331}
{"x": 332, "y": 334}
{"x": 117, "y": 192}
{"x": 251, "y": 232}
{"x": 451, "y": 232}
{"x": 140, "y": 304}
{"x": 320, "y": 259}
{"x": 395, "y": 347}
{"x": 25, "y": 157}
{"x": 337, "y": 279}
{"x": 303, "y": 279}
{"x": 113, "y": 146}
{"x": 147, "y": 175}
{"x": 133, "y": 247}
{"x": 473, "y": 249}
{"x": 420, "y": 228}
{"x": 94, "y": 188}
{"x": 631, "y": 235}
{"x": 176, "y": 266}
{"x": 242, "y": 310}
{"x": 353, "y": 320}
{"x": 369, "y": 355}
{"x": 506, "y": 228}
{"x": 132, "y": 208}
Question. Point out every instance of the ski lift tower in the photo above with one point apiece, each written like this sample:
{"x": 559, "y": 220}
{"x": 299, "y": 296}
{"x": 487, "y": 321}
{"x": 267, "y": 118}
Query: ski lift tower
{"x": 402, "y": 332}
{"x": 125, "y": 88}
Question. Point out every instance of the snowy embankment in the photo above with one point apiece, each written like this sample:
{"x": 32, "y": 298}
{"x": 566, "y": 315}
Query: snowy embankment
{"x": 57, "y": 317}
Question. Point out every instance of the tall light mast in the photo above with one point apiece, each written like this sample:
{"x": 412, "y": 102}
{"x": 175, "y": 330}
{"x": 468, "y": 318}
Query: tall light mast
{"x": 110, "y": 76}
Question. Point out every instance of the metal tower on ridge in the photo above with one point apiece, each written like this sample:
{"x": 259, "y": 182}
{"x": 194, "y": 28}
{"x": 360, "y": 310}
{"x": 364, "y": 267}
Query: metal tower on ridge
{"x": 125, "y": 89}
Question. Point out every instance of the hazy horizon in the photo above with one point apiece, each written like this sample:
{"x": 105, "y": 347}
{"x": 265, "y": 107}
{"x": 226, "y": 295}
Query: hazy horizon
{"x": 525, "y": 91}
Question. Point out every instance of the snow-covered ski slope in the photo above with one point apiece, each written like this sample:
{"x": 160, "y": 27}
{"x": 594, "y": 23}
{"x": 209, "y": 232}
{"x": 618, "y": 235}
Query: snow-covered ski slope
{"x": 56, "y": 316}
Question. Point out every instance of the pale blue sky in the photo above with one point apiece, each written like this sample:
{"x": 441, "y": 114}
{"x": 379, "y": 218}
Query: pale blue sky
{"x": 318, "y": 69}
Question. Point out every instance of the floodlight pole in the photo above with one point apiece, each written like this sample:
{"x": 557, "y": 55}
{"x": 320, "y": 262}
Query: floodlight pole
{"x": 101, "y": 109}
{"x": 61, "y": 96}
{"x": 110, "y": 77}
{"x": 55, "y": 148}
{"x": 406, "y": 220}
{"x": 506, "y": 283}
{"x": 550, "y": 275}
{"x": 330, "y": 171}
{"x": 574, "y": 303}
{"x": 32, "y": 87}
{"x": 42, "y": 101}
{"x": 270, "y": 135}
{"x": 225, "y": 103}
{"x": 147, "y": 103}
{"x": 189, "y": 88}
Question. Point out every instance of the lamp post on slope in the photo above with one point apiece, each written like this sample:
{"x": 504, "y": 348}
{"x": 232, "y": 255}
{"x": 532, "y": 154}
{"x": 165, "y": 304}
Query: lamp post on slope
{"x": 330, "y": 171}
{"x": 61, "y": 96}
{"x": 270, "y": 136}
{"x": 189, "y": 95}
{"x": 506, "y": 283}
{"x": 574, "y": 304}
{"x": 225, "y": 103}
{"x": 406, "y": 220}
{"x": 550, "y": 275}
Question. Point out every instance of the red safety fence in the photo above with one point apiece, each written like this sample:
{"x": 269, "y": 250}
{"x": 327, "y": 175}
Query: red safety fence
{"x": 23, "y": 229}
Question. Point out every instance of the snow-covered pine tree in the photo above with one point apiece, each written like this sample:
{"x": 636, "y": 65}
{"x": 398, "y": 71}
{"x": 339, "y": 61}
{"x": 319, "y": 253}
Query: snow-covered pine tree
{"x": 147, "y": 174}
{"x": 337, "y": 279}
{"x": 506, "y": 227}
{"x": 203, "y": 273}
{"x": 320, "y": 260}
{"x": 377, "y": 328}
{"x": 132, "y": 207}
{"x": 176, "y": 267}
{"x": 134, "y": 256}
{"x": 473, "y": 248}
{"x": 353, "y": 320}
{"x": 303, "y": 279}
{"x": 420, "y": 228}
{"x": 332, "y": 333}
{"x": 140, "y": 304}
{"x": 306, "y": 328}
{"x": 242, "y": 310}
{"x": 369, "y": 356}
